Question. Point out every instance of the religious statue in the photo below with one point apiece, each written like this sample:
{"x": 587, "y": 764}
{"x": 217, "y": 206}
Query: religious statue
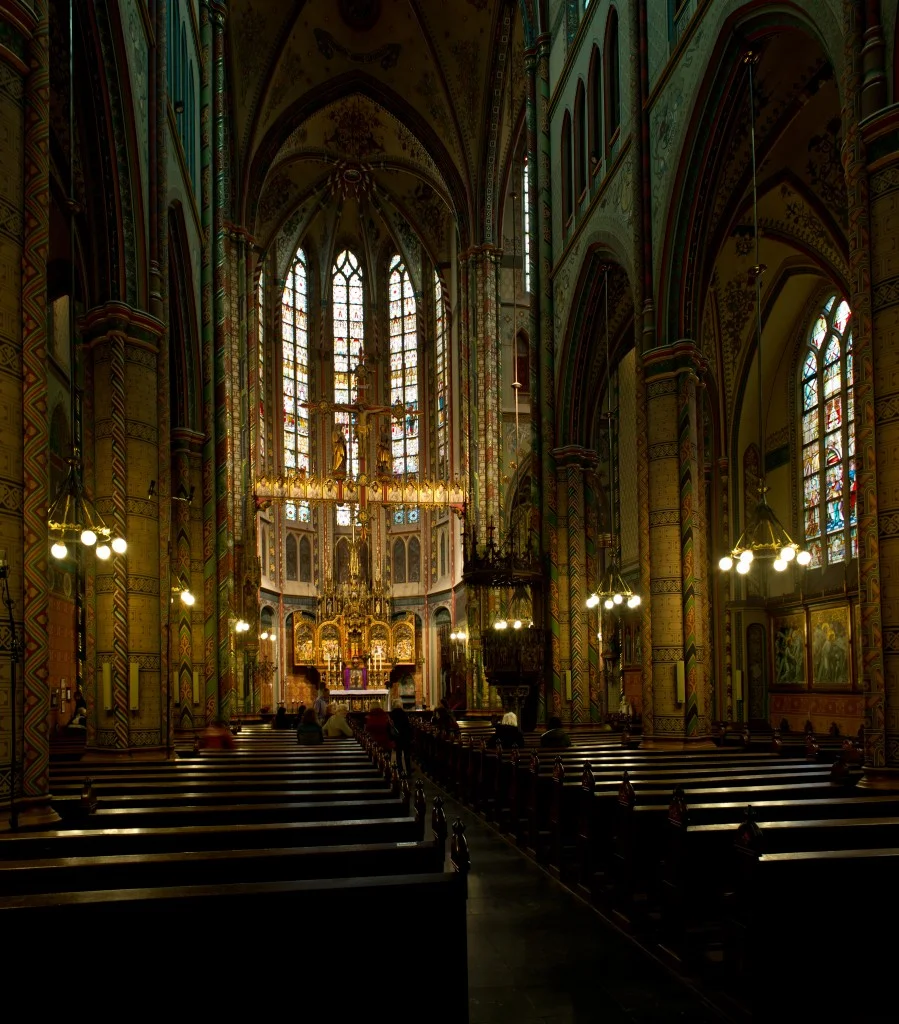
{"x": 385, "y": 459}
{"x": 338, "y": 467}
{"x": 355, "y": 676}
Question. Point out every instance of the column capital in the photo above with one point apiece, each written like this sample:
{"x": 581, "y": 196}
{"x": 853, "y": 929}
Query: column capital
{"x": 18, "y": 21}
{"x": 879, "y": 135}
{"x": 476, "y": 253}
{"x": 670, "y": 361}
{"x": 575, "y": 455}
{"x": 138, "y": 327}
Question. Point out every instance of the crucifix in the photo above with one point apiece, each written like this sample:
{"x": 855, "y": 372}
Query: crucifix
{"x": 347, "y": 481}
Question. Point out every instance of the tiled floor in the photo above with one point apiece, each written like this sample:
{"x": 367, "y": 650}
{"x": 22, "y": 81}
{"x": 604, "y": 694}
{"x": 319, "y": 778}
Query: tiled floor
{"x": 538, "y": 954}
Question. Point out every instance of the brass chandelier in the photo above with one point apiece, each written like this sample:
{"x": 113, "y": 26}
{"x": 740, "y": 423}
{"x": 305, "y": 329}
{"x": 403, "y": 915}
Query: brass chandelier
{"x": 612, "y": 591}
{"x": 72, "y": 517}
{"x": 765, "y": 538}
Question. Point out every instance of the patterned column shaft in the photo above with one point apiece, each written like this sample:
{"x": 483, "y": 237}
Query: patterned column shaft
{"x": 530, "y": 65}
{"x": 121, "y": 458}
{"x": 868, "y": 360}
{"x": 35, "y": 474}
{"x": 692, "y": 526}
{"x": 160, "y": 307}
{"x": 224, "y": 440}
{"x": 593, "y": 618}
{"x": 180, "y": 621}
{"x": 725, "y": 658}
{"x": 546, "y": 391}
{"x": 483, "y": 387}
{"x": 557, "y": 702}
{"x": 210, "y": 589}
{"x": 577, "y": 589}
{"x": 14, "y": 66}
{"x": 664, "y": 553}
{"x": 640, "y": 402}
{"x": 117, "y": 579}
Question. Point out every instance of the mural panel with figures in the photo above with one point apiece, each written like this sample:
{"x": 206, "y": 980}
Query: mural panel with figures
{"x": 789, "y": 650}
{"x": 830, "y": 648}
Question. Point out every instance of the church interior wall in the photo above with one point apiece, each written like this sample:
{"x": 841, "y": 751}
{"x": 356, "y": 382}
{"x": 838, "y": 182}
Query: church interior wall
{"x": 805, "y": 244}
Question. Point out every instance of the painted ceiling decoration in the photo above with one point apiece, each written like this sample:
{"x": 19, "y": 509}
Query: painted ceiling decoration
{"x": 405, "y": 100}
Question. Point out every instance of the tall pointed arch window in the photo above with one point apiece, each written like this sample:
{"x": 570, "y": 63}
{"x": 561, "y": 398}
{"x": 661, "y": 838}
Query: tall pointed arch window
{"x": 348, "y": 306}
{"x": 828, "y": 437}
{"x": 613, "y": 83}
{"x": 260, "y": 351}
{"x": 295, "y": 375}
{"x": 403, "y": 368}
{"x": 442, "y": 374}
{"x": 526, "y": 233}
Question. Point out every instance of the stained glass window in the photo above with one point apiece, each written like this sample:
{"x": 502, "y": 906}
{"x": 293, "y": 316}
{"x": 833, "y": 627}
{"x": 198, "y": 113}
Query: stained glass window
{"x": 349, "y": 333}
{"x": 260, "y": 346}
{"x": 295, "y": 375}
{"x": 828, "y": 438}
{"x": 526, "y": 191}
{"x": 442, "y": 375}
{"x": 403, "y": 368}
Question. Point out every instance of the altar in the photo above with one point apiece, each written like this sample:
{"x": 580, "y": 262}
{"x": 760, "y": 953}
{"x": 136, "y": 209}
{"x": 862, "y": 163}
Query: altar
{"x": 360, "y": 700}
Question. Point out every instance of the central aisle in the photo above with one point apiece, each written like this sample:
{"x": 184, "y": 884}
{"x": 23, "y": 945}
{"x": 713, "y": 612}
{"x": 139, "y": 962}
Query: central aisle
{"x": 538, "y": 954}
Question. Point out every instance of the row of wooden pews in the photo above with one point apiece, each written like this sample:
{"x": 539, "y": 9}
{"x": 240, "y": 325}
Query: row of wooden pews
{"x": 331, "y": 832}
{"x": 720, "y": 861}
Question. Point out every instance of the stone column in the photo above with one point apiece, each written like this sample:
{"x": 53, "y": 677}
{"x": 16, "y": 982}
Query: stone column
{"x": 481, "y": 274}
{"x": 24, "y": 170}
{"x": 122, "y": 345}
{"x": 544, "y": 394}
{"x": 574, "y": 631}
{"x": 35, "y": 474}
{"x": 180, "y": 615}
{"x": 223, "y": 327}
{"x": 875, "y": 325}
{"x": 676, "y": 519}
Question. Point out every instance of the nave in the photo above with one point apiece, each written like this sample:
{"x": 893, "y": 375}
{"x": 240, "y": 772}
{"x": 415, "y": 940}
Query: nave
{"x": 626, "y": 886}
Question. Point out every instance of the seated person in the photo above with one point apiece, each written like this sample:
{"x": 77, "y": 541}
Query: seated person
{"x": 443, "y": 718}
{"x": 217, "y": 736}
{"x": 309, "y": 733}
{"x": 337, "y": 724}
{"x": 79, "y": 719}
{"x": 280, "y": 721}
{"x": 555, "y": 736}
{"x": 507, "y": 733}
{"x": 377, "y": 725}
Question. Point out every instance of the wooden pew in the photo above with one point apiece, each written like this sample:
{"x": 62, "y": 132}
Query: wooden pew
{"x": 700, "y": 865}
{"x": 768, "y": 958}
{"x": 553, "y": 800}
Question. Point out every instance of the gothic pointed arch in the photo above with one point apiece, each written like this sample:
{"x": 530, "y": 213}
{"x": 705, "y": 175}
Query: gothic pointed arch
{"x": 185, "y": 360}
{"x": 702, "y": 210}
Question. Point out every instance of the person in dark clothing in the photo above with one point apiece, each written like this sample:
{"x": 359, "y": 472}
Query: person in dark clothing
{"x": 309, "y": 733}
{"x": 443, "y": 718}
{"x": 280, "y": 721}
{"x": 507, "y": 733}
{"x": 377, "y": 725}
{"x": 401, "y": 734}
{"x": 555, "y": 736}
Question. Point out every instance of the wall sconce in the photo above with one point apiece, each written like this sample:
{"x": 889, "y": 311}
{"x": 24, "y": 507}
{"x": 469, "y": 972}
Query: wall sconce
{"x": 241, "y": 626}
{"x": 184, "y": 495}
{"x": 183, "y": 589}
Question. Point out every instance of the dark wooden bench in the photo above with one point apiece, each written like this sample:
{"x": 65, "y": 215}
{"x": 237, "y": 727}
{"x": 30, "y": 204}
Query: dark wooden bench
{"x": 554, "y": 802}
{"x": 859, "y": 888}
{"x": 67, "y": 744}
{"x": 700, "y": 865}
